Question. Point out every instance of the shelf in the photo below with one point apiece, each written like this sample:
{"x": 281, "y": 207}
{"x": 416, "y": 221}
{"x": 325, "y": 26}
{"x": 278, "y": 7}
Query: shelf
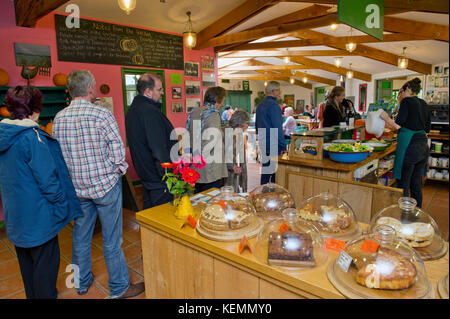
{"x": 391, "y": 182}
{"x": 384, "y": 171}
{"x": 439, "y": 153}
{"x": 56, "y": 102}
{"x": 441, "y": 167}
{"x": 436, "y": 179}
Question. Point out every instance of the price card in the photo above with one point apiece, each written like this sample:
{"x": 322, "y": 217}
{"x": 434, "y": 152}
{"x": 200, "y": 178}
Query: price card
{"x": 370, "y": 246}
{"x": 214, "y": 192}
{"x": 334, "y": 244}
{"x": 244, "y": 243}
{"x": 344, "y": 261}
{"x": 283, "y": 228}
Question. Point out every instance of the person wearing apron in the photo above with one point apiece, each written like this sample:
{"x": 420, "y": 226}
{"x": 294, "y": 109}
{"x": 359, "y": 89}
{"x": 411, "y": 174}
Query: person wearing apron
{"x": 412, "y": 122}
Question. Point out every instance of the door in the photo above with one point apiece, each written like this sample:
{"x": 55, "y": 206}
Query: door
{"x": 240, "y": 99}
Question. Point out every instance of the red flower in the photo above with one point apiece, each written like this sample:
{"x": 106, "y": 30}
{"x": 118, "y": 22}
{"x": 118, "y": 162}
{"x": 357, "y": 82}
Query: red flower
{"x": 198, "y": 162}
{"x": 166, "y": 165}
{"x": 190, "y": 176}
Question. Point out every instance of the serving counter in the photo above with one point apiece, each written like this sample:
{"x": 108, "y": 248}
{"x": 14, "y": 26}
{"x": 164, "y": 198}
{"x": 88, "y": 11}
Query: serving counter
{"x": 179, "y": 263}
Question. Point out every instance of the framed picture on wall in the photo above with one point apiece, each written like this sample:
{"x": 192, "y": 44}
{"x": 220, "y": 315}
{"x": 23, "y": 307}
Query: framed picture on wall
{"x": 289, "y": 100}
{"x": 446, "y": 70}
{"x": 192, "y": 88}
{"x": 191, "y": 69}
{"x": 177, "y": 107}
{"x": 300, "y": 105}
{"x": 208, "y": 79}
{"x": 176, "y": 92}
{"x": 207, "y": 63}
{"x": 438, "y": 69}
{"x": 191, "y": 103}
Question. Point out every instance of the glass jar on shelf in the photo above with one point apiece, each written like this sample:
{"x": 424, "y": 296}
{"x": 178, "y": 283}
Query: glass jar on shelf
{"x": 379, "y": 266}
{"x": 228, "y": 216}
{"x": 413, "y": 226}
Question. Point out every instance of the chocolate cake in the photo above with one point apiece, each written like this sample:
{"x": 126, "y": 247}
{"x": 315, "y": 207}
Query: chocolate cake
{"x": 290, "y": 248}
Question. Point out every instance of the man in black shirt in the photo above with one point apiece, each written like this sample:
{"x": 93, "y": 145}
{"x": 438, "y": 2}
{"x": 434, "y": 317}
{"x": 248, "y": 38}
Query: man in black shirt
{"x": 148, "y": 134}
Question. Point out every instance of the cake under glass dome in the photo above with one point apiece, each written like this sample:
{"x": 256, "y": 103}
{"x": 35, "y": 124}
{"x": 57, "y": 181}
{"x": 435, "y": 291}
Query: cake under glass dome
{"x": 270, "y": 200}
{"x": 414, "y": 226}
{"x": 382, "y": 267}
{"x": 228, "y": 217}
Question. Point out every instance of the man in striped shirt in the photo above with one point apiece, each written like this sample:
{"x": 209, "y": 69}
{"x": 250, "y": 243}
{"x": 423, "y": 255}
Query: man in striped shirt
{"x": 95, "y": 155}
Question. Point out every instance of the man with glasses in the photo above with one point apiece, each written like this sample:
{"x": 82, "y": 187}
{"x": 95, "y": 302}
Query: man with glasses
{"x": 148, "y": 134}
{"x": 269, "y": 127}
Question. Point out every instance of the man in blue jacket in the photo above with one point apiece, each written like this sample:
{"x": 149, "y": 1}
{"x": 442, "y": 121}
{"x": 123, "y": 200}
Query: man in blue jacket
{"x": 269, "y": 127}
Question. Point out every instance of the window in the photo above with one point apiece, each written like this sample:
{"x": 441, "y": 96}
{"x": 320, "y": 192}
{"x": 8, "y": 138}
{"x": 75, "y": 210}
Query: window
{"x": 130, "y": 77}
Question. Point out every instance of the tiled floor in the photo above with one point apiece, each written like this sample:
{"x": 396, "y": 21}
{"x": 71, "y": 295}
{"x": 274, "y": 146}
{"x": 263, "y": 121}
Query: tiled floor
{"x": 436, "y": 202}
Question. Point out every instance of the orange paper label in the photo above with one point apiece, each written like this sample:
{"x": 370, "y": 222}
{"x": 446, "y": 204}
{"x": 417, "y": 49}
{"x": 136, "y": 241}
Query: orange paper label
{"x": 334, "y": 244}
{"x": 221, "y": 203}
{"x": 244, "y": 243}
{"x": 370, "y": 246}
{"x": 283, "y": 228}
{"x": 191, "y": 221}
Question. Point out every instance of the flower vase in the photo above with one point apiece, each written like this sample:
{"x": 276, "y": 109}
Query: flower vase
{"x": 184, "y": 207}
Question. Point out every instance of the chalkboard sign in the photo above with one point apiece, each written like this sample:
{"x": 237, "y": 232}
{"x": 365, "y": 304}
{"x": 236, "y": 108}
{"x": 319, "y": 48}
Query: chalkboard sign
{"x": 106, "y": 43}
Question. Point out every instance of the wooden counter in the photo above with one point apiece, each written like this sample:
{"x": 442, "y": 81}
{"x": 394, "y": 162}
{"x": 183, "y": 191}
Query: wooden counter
{"x": 179, "y": 263}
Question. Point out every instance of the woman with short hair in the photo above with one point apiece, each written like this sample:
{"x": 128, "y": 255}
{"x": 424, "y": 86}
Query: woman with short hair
{"x": 208, "y": 117}
{"x": 38, "y": 195}
{"x": 237, "y": 167}
{"x": 290, "y": 125}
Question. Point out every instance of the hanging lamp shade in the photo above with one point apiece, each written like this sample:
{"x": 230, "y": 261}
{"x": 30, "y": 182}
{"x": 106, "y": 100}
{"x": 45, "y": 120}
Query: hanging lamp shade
{"x": 338, "y": 62}
{"x": 350, "y": 72}
{"x": 292, "y": 80}
{"x": 403, "y": 60}
{"x": 189, "y": 36}
{"x": 127, "y": 5}
{"x": 350, "y": 47}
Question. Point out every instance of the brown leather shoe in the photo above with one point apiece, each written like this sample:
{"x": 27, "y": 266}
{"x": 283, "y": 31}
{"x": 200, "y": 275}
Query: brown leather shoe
{"x": 133, "y": 291}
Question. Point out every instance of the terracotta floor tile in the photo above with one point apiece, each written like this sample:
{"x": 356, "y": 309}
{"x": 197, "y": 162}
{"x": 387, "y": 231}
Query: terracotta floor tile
{"x": 137, "y": 266}
{"x": 130, "y": 225}
{"x": 96, "y": 253}
{"x": 65, "y": 249}
{"x": 18, "y": 295}
{"x": 3, "y": 246}
{"x": 10, "y": 245}
{"x": 11, "y": 285}
{"x": 9, "y": 268}
{"x": 64, "y": 236}
{"x": 103, "y": 281}
{"x": 63, "y": 266}
{"x": 99, "y": 267}
{"x": 6, "y": 255}
{"x": 93, "y": 293}
{"x": 132, "y": 253}
{"x": 134, "y": 236}
{"x": 61, "y": 284}
{"x": 135, "y": 277}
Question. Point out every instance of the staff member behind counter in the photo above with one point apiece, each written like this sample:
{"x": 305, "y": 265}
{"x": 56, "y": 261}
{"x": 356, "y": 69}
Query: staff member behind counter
{"x": 413, "y": 122}
{"x": 333, "y": 113}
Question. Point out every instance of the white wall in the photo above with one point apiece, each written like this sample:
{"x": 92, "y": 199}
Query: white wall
{"x": 300, "y": 93}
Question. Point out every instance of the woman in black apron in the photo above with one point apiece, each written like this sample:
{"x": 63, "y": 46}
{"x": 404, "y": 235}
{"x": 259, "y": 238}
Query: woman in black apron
{"x": 333, "y": 113}
{"x": 413, "y": 122}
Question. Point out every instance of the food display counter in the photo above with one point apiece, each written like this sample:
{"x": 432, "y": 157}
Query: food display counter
{"x": 180, "y": 263}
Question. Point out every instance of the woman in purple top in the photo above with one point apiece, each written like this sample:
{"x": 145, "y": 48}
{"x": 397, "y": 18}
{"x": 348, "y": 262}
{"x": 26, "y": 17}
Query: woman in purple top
{"x": 290, "y": 125}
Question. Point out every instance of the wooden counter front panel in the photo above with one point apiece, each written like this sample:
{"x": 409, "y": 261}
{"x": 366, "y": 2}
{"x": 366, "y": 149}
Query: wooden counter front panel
{"x": 176, "y": 271}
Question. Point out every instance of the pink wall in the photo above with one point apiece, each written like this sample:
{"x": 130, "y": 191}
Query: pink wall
{"x": 44, "y": 33}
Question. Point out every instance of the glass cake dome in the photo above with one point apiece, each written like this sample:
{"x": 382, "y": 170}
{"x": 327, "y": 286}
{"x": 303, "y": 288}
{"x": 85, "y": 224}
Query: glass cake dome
{"x": 228, "y": 217}
{"x": 332, "y": 216}
{"x": 290, "y": 243}
{"x": 414, "y": 226}
{"x": 379, "y": 266}
{"x": 443, "y": 287}
{"x": 270, "y": 200}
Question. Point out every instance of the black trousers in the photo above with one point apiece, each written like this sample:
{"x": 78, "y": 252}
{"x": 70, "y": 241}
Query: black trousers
{"x": 201, "y": 187}
{"x": 414, "y": 163}
{"x": 266, "y": 178}
{"x": 155, "y": 197}
{"x": 39, "y": 267}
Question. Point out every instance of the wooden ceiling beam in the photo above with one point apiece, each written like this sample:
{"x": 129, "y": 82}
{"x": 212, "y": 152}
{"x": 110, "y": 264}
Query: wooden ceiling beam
{"x": 430, "y": 31}
{"x": 264, "y": 67}
{"x": 374, "y": 54}
{"x": 435, "y": 6}
{"x": 326, "y": 40}
{"x": 315, "y": 78}
{"x": 29, "y": 12}
{"x": 279, "y": 53}
{"x": 331, "y": 68}
{"x": 231, "y": 20}
{"x": 250, "y": 35}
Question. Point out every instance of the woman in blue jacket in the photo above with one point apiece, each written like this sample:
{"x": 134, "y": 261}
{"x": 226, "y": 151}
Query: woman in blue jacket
{"x": 37, "y": 193}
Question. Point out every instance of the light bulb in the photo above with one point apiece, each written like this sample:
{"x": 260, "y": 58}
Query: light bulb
{"x": 349, "y": 74}
{"x": 127, "y": 5}
{"x": 338, "y": 62}
{"x": 350, "y": 46}
{"x": 305, "y": 79}
{"x": 265, "y": 83}
{"x": 333, "y": 27}
{"x": 402, "y": 63}
{"x": 287, "y": 59}
{"x": 341, "y": 79}
{"x": 292, "y": 81}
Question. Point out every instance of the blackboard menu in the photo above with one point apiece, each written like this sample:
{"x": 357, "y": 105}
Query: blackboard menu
{"x": 106, "y": 43}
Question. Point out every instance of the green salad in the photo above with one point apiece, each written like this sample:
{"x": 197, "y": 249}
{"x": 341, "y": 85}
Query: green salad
{"x": 348, "y": 148}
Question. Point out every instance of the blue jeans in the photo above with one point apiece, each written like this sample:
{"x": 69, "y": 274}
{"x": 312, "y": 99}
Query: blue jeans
{"x": 109, "y": 210}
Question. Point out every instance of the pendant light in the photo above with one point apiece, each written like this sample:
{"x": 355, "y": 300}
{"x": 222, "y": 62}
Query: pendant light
{"x": 350, "y": 72}
{"x": 189, "y": 36}
{"x": 403, "y": 60}
{"x": 127, "y": 5}
{"x": 287, "y": 59}
{"x": 350, "y": 46}
{"x": 338, "y": 61}
{"x": 292, "y": 80}
{"x": 341, "y": 79}
{"x": 333, "y": 27}
{"x": 305, "y": 79}
{"x": 265, "y": 83}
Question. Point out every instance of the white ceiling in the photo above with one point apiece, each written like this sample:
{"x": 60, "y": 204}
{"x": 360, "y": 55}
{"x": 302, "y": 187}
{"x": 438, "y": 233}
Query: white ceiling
{"x": 171, "y": 16}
